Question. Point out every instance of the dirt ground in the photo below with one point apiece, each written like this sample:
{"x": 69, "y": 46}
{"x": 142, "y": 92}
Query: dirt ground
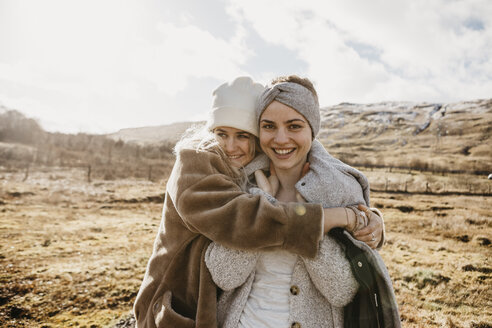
{"x": 73, "y": 254}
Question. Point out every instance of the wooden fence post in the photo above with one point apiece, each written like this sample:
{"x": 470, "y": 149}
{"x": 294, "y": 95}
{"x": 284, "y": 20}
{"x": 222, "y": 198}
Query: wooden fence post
{"x": 26, "y": 175}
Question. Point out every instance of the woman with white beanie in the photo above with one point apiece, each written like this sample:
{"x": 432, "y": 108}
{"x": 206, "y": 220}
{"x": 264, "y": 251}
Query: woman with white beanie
{"x": 205, "y": 201}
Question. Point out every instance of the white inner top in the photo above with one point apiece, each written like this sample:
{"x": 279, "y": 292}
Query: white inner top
{"x": 268, "y": 302}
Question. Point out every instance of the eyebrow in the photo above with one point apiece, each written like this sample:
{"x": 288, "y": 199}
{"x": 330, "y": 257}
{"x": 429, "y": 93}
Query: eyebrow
{"x": 237, "y": 133}
{"x": 289, "y": 121}
{"x": 295, "y": 120}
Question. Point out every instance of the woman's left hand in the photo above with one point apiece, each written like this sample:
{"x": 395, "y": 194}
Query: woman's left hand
{"x": 373, "y": 232}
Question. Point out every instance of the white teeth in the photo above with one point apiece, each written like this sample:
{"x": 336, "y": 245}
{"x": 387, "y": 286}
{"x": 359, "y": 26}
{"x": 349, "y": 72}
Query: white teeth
{"x": 234, "y": 157}
{"x": 283, "y": 151}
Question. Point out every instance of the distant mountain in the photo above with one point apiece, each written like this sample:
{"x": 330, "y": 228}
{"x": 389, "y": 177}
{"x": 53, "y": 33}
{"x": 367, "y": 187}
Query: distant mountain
{"x": 451, "y": 137}
{"x": 429, "y": 136}
{"x": 24, "y": 144}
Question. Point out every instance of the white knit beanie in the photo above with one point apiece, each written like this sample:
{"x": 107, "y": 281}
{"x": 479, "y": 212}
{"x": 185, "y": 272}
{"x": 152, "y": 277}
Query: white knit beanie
{"x": 234, "y": 105}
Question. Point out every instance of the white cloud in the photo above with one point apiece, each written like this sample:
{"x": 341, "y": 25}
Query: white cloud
{"x": 100, "y": 59}
{"x": 419, "y": 50}
{"x": 119, "y": 63}
{"x": 186, "y": 52}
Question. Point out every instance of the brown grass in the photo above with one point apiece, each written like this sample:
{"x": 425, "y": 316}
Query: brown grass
{"x": 438, "y": 255}
{"x": 73, "y": 253}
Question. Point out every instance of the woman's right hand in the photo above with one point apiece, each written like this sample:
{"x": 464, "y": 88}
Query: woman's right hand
{"x": 373, "y": 233}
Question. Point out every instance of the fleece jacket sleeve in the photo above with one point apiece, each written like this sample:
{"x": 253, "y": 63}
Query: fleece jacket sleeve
{"x": 331, "y": 273}
{"x": 229, "y": 268}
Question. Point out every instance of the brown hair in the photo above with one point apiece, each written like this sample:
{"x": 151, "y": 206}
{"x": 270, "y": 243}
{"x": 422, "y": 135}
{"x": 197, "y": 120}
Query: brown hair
{"x": 305, "y": 82}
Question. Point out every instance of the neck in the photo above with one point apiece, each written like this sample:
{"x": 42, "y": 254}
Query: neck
{"x": 288, "y": 179}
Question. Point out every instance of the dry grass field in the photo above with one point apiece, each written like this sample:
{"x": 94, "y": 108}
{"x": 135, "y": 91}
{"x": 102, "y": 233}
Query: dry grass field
{"x": 73, "y": 253}
{"x": 79, "y": 213}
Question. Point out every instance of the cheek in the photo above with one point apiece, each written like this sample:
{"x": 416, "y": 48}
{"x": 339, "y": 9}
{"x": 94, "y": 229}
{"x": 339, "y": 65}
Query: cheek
{"x": 244, "y": 145}
{"x": 264, "y": 138}
{"x": 220, "y": 141}
{"x": 263, "y": 146}
{"x": 305, "y": 142}
{"x": 247, "y": 149}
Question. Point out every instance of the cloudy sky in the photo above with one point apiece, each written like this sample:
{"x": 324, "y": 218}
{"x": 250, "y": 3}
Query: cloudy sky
{"x": 102, "y": 65}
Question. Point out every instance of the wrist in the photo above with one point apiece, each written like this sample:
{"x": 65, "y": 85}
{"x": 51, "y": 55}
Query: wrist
{"x": 351, "y": 219}
{"x": 323, "y": 223}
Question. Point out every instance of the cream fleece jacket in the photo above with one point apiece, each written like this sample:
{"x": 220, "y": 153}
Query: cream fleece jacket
{"x": 326, "y": 282}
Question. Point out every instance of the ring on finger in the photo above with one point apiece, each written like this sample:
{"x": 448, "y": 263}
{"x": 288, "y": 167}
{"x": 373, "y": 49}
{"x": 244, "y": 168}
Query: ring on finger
{"x": 373, "y": 237}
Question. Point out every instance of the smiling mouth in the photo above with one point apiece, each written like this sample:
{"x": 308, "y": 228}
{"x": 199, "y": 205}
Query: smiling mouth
{"x": 283, "y": 151}
{"x": 234, "y": 156}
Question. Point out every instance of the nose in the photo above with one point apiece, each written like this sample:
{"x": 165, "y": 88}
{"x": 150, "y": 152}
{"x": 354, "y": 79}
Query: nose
{"x": 281, "y": 136}
{"x": 230, "y": 144}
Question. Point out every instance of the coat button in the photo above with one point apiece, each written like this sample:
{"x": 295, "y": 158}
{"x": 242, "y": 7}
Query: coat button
{"x": 359, "y": 264}
{"x": 294, "y": 290}
{"x": 300, "y": 209}
{"x": 295, "y": 325}
{"x": 303, "y": 183}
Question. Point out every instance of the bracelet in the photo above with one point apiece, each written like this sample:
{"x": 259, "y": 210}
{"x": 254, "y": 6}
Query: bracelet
{"x": 361, "y": 219}
{"x": 349, "y": 228}
{"x": 346, "y": 216}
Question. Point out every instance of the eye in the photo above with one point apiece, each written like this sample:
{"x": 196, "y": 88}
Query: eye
{"x": 221, "y": 134}
{"x": 295, "y": 126}
{"x": 267, "y": 126}
{"x": 243, "y": 136}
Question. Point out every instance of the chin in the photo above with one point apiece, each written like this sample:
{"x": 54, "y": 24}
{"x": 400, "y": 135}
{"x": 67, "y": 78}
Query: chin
{"x": 283, "y": 166}
{"x": 238, "y": 164}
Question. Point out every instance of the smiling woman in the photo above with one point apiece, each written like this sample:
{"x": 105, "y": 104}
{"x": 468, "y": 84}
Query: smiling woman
{"x": 232, "y": 120}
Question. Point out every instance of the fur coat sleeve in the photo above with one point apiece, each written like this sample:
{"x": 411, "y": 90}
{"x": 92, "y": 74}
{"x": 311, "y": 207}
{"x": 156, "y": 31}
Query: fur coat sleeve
{"x": 212, "y": 204}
